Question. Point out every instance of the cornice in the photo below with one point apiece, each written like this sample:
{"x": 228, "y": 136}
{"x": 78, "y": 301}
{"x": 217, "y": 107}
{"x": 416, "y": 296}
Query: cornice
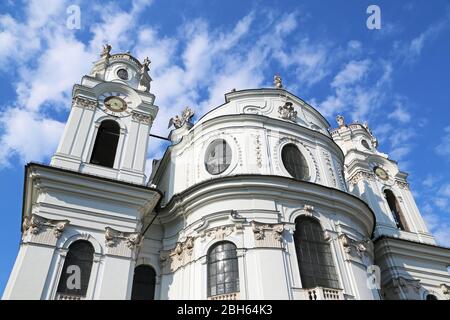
{"x": 273, "y": 186}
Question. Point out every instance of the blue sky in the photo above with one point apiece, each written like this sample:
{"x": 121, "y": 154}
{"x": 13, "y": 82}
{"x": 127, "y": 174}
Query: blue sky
{"x": 396, "y": 78}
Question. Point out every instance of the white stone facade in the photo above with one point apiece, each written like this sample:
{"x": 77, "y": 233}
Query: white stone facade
{"x": 172, "y": 221}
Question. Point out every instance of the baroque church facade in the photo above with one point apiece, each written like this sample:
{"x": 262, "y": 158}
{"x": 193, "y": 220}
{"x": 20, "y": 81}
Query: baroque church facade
{"x": 259, "y": 199}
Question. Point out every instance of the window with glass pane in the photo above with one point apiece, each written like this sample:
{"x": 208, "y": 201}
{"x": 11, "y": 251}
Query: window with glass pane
{"x": 143, "y": 283}
{"x": 396, "y": 211}
{"x": 78, "y": 263}
{"x": 294, "y": 162}
{"x": 218, "y": 156}
{"x": 314, "y": 255}
{"x": 223, "y": 273}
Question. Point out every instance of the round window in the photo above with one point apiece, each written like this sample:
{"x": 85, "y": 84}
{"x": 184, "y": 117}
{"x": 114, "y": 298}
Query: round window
{"x": 122, "y": 74}
{"x": 365, "y": 144}
{"x": 294, "y": 162}
{"x": 218, "y": 156}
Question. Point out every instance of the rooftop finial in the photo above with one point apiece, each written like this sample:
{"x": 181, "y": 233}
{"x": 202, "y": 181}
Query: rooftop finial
{"x": 178, "y": 121}
{"x": 146, "y": 63}
{"x": 106, "y": 49}
{"x": 277, "y": 81}
{"x": 340, "y": 121}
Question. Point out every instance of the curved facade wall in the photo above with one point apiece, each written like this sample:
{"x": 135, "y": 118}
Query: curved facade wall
{"x": 253, "y": 202}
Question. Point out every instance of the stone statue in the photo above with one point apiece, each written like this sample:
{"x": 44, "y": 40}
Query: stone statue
{"x": 146, "y": 63}
{"x": 178, "y": 121}
{"x": 277, "y": 82}
{"x": 340, "y": 121}
{"x": 106, "y": 49}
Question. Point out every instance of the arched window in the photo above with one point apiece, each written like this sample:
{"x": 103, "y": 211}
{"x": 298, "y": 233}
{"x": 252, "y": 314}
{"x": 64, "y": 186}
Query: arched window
{"x": 144, "y": 281}
{"x": 76, "y": 271}
{"x": 431, "y": 297}
{"x": 294, "y": 162}
{"x": 314, "y": 255}
{"x": 223, "y": 273}
{"x": 105, "y": 146}
{"x": 395, "y": 210}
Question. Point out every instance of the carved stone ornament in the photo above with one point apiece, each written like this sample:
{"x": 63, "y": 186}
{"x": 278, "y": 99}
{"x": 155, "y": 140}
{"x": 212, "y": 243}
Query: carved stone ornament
{"x": 219, "y": 233}
{"x": 114, "y": 238}
{"x": 179, "y": 121}
{"x": 308, "y": 210}
{"x": 401, "y": 283}
{"x": 172, "y": 260}
{"x": 268, "y": 234}
{"x": 361, "y": 175}
{"x": 277, "y": 81}
{"x": 141, "y": 117}
{"x": 402, "y": 184}
{"x": 445, "y": 289}
{"x": 373, "y": 140}
{"x": 340, "y": 121}
{"x": 106, "y": 50}
{"x": 84, "y": 103}
{"x": 258, "y": 150}
{"x": 287, "y": 112}
{"x": 353, "y": 247}
{"x": 145, "y": 64}
{"x": 37, "y": 224}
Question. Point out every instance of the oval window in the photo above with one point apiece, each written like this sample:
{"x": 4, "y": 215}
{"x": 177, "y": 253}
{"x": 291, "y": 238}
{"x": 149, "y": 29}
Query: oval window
{"x": 122, "y": 74}
{"x": 218, "y": 156}
{"x": 294, "y": 162}
{"x": 365, "y": 144}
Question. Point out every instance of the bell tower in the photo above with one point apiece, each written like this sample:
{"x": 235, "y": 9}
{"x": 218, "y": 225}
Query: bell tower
{"x": 84, "y": 215}
{"x": 375, "y": 178}
{"x": 108, "y": 127}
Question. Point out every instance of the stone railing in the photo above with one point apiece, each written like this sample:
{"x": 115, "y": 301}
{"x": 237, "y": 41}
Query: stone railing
{"x": 66, "y": 296}
{"x": 226, "y": 296}
{"x": 319, "y": 293}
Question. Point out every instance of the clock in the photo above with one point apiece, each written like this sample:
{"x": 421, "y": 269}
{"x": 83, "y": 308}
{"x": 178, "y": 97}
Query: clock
{"x": 381, "y": 173}
{"x": 115, "y": 104}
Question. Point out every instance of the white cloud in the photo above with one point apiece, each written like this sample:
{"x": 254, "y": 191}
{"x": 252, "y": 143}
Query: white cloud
{"x": 27, "y": 136}
{"x": 431, "y": 181}
{"x": 60, "y": 66}
{"x": 359, "y": 87}
{"x": 352, "y": 72}
{"x": 443, "y": 148}
{"x": 439, "y": 227}
{"x": 412, "y": 50}
{"x": 400, "y": 113}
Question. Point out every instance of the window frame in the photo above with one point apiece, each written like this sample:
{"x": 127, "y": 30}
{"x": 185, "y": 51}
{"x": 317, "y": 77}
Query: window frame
{"x": 85, "y": 281}
{"x": 153, "y": 277}
{"x": 397, "y": 214}
{"x": 208, "y": 149}
{"x": 96, "y": 142}
{"x": 233, "y": 270}
{"x": 307, "y": 176}
{"x": 310, "y": 278}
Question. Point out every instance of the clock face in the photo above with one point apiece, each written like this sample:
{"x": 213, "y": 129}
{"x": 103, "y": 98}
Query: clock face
{"x": 381, "y": 173}
{"x": 115, "y": 104}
